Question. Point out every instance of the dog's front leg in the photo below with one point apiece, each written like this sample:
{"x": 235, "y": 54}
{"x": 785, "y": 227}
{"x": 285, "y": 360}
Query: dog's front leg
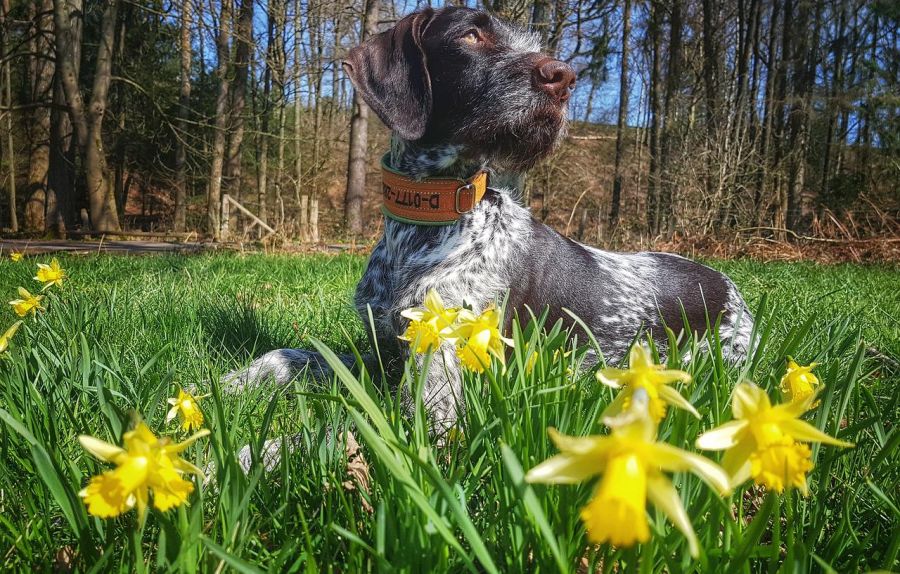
{"x": 282, "y": 366}
{"x": 442, "y": 392}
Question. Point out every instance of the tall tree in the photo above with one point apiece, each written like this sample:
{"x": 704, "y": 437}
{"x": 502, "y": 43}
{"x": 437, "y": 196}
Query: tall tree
{"x": 243, "y": 43}
{"x": 88, "y": 120}
{"x": 184, "y": 105}
{"x": 622, "y": 116}
{"x": 10, "y": 151}
{"x": 223, "y": 55}
{"x": 41, "y": 69}
{"x": 711, "y": 92}
{"x": 670, "y": 112}
{"x": 357, "y": 157}
{"x": 654, "y": 179}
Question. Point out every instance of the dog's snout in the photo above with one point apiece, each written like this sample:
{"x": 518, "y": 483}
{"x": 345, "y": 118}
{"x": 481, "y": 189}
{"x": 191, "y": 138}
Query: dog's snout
{"x": 555, "y": 78}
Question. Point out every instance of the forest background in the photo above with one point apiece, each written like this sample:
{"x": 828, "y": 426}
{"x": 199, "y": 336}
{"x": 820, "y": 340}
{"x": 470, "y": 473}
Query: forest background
{"x": 775, "y": 119}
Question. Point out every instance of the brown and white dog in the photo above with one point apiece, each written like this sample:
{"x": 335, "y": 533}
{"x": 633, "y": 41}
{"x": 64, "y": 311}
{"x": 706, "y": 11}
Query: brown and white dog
{"x": 462, "y": 92}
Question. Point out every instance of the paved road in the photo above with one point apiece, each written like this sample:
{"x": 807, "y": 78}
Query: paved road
{"x": 120, "y": 247}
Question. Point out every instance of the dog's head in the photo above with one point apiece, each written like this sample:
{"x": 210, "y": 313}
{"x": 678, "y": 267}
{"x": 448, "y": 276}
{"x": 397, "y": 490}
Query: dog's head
{"x": 462, "y": 77}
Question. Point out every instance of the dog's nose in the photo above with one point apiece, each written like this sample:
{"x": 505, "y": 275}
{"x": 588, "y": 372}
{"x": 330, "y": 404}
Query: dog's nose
{"x": 555, "y": 78}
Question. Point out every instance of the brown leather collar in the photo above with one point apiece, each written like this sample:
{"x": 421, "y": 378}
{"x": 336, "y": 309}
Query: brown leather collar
{"x": 436, "y": 201}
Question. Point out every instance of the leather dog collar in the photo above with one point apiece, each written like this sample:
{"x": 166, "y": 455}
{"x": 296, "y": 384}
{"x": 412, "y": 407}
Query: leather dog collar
{"x": 438, "y": 201}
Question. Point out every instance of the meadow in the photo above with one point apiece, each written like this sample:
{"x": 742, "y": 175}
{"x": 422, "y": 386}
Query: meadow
{"x": 122, "y": 334}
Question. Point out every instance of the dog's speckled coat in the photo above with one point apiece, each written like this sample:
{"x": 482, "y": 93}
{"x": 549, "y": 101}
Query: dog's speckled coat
{"x": 456, "y": 106}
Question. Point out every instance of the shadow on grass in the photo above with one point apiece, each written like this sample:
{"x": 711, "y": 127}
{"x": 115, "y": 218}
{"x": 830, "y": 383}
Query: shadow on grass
{"x": 240, "y": 329}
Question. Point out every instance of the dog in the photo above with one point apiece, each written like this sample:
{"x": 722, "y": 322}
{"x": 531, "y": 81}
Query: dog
{"x": 465, "y": 93}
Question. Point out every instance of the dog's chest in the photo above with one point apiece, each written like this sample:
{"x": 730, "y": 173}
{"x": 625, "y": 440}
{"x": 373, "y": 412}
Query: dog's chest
{"x": 467, "y": 263}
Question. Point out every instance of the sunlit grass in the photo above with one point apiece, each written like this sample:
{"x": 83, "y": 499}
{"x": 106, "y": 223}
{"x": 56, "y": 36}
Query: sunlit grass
{"x": 123, "y": 334}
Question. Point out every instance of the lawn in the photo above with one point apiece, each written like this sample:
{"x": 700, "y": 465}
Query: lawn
{"x": 123, "y": 333}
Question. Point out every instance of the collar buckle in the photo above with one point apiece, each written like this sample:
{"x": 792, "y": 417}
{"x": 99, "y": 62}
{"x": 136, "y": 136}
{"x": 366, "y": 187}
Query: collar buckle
{"x": 466, "y": 187}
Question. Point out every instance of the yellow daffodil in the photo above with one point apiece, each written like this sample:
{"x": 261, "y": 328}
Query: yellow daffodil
{"x": 50, "y": 274}
{"x": 185, "y": 405}
{"x": 765, "y": 442}
{"x": 632, "y": 465}
{"x": 27, "y": 303}
{"x": 428, "y": 324}
{"x": 643, "y": 373}
{"x": 798, "y": 382}
{"x": 16, "y": 256}
{"x": 146, "y": 464}
{"x": 5, "y": 337}
{"x": 478, "y": 338}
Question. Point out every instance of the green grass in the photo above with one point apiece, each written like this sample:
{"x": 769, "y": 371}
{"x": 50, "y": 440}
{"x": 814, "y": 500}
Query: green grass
{"x": 124, "y": 332}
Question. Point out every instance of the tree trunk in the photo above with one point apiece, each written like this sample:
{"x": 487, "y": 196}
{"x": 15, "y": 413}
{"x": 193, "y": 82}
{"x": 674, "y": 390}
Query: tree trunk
{"x": 41, "y": 70}
{"x": 279, "y": 57}
{"x": 831, "y": 109}
{"x": 803, "y": 77}
{"x": 101, "y": 199}
{"x": 769, "y": 111}
{"x": 262, "y": 138}
{"x": 301, "y": 198}
{"x": 7, "y": 98}
{"x": 214, "y": 194}
{"x": 655, "y": 102}
{"x": 243, "y": 38}
{"x": 623, "y": 116}
{"x": 711, "y": 90}
{"x": 356, "y": 163}
{"x": 184, "y": 104}
{"x": 88, "y": 121}
{"x": 673, "y": 84}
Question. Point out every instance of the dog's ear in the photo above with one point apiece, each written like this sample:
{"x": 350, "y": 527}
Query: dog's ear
{"x": 391, "y": 72}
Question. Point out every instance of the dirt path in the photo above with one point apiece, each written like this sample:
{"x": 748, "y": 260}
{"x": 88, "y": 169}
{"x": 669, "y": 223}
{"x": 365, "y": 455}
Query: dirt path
{"x": 119, "y": 247}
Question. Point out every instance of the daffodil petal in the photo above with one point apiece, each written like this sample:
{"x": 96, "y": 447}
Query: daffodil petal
{"x": 564, "y": 469}
{"x": 803, "y": 431}
{"x": 736, "y": 462}
{"x": 616, "y": 406}
{"x": 141, "y": 498}
{"x": 673, "y": 459}
{"x": 413, "y": 314}
{"x": 101, "y": 449}
{"x": 185, "y": 466}
{"x": 664, "y": 497}
{"x": 611, "y": 377}
{"x": 721, "y": 437}
{"x": 674, "y": 398}
{"x": 671, "y": 376}
{"x": 176, "y": 448}
{"x": 639, "y": 356}
{"x": 578, "y": 445}
{"x": 794, "y": 409}
{"x": 747, "y": 399}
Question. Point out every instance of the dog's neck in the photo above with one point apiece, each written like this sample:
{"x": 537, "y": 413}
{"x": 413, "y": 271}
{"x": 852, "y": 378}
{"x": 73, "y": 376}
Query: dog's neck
{"x": 446, "y": 160}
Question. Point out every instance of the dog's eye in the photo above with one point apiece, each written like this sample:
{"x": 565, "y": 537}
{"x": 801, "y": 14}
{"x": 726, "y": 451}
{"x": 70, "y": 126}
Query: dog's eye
{"x": 471, "y": 37}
